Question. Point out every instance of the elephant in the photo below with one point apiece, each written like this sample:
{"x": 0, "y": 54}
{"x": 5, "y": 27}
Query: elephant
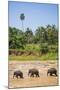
{"x": 18, "y": 73}
{"x": 52, "y": 71}
{"x": 33, "y": 72}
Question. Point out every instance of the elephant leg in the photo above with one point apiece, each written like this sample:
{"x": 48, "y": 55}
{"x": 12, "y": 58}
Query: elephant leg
{"x": 38, "y": 75}
{"x": 47, "y": 73}
{"x": 17, "y": 76}
{"x": 56, "y": 74}
{"x": 32, "y": 75}
{"x": 21, "y": 76}
{"x": 50, "y": 74}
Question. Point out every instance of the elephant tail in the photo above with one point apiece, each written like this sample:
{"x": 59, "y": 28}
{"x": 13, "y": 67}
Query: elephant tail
{"x": 56, "y": 74}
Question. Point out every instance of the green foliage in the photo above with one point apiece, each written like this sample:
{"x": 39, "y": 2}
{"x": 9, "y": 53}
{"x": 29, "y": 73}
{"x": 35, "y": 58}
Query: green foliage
{"x": 47, "y": 35}
{"x": 41, "y": 34}
{"x": 43, "y": 41}
{"x": 16, "y": 38}
{"x": 52, "y": 33}
{"x": 44, "y": 48}
{"x": 32, "y": 47}
{"x": 53, "y": 48}
{"x": 22, "y": 17}
{"x": 29, "y": 35}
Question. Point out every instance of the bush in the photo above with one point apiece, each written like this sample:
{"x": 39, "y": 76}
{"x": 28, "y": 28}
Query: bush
{"x": 44, "y": 48}
{"x": 53, "y": 48}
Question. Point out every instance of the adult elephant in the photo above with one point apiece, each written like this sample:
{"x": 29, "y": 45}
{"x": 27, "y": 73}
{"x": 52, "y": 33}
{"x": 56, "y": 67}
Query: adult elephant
{"x": 18, "y": 74}
{"x": 33, "y": 72}
{"x": 52, "y": 71}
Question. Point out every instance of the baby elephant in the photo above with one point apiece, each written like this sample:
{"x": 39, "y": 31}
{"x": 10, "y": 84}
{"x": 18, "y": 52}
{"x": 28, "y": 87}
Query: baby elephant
{"x": 52, "y": 71}
{"x": 33, "y": 72}
{"x": 18, "y": 73}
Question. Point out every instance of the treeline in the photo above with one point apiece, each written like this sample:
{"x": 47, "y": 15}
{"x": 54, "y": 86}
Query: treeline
{"x": 43, "y": 35}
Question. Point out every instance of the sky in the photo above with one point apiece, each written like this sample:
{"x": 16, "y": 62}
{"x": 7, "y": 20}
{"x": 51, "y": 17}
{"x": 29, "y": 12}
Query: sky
{"x": 36, "y": 14}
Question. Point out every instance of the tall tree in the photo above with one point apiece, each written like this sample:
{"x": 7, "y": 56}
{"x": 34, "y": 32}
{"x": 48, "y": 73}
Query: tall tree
{"x": 22, "y": 17}
{"x": 29, "y": 35}
{"x": 52, "y": 34}
{"x": 41, "y": 34}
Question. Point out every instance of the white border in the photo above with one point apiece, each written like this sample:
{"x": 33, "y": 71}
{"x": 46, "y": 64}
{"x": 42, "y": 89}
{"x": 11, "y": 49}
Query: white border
{"x": 39, "y": 1}
{"x": 4, "y": 43}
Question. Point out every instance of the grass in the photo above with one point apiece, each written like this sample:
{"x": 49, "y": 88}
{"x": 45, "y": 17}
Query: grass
{"x": 51, "y": 55}
{"x": 48, "y": 56}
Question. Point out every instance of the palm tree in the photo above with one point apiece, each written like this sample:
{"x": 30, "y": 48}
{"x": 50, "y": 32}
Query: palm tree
{"x": 22, "y": 17}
